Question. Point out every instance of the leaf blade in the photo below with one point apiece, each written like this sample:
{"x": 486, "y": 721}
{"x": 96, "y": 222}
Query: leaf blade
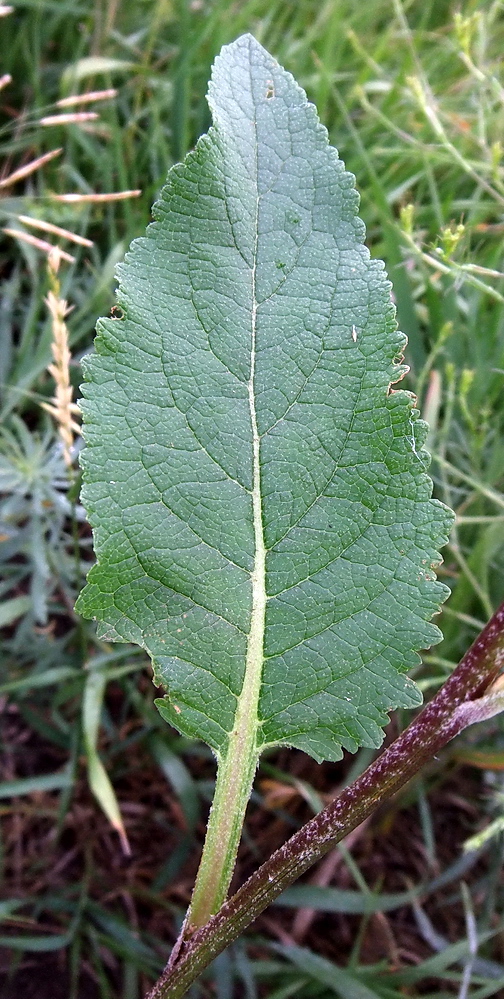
{"x": 256, "y": 355}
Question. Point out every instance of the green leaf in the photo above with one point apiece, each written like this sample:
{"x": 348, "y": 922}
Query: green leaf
{"x": 99, "y": 782}
{"x": 259, "y": 498}
{"x": 339, "y": 980}
{"x": 11, "y": 609}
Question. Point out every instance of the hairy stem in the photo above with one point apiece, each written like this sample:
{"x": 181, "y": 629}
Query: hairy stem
{"x": 232, "y": 792}
{"x": 444, "y": 717}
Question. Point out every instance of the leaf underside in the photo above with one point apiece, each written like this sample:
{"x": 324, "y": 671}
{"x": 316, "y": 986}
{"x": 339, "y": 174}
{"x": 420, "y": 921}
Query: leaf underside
{"x": 243, "y": 406}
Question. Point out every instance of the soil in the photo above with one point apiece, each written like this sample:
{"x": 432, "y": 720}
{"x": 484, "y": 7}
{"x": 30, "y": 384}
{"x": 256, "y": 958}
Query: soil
{"x": 52, "y": 855}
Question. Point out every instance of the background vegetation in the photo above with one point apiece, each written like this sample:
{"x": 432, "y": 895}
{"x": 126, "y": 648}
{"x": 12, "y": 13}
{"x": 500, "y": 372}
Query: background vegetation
{"x": 411, "y": 95}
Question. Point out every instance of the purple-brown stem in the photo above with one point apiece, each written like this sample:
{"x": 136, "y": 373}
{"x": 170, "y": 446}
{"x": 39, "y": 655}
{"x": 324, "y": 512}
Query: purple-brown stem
{"x": 433, "y": 727}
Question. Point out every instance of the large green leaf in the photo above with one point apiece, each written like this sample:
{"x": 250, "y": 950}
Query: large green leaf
{"x": 261, "y": 512}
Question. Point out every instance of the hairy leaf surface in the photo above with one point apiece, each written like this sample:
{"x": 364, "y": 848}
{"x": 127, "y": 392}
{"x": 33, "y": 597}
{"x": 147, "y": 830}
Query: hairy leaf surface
{"x": 261, "y": 512}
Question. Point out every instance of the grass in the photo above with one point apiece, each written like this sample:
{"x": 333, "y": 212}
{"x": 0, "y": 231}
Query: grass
{"x": 411, "y": 96}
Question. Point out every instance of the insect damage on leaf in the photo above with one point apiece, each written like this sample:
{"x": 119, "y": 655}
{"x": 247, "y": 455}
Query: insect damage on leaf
{"x": 261, "y": 511}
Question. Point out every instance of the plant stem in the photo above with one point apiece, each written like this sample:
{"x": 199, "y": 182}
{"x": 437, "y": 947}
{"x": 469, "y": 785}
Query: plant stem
{"x": 444, "y": 717}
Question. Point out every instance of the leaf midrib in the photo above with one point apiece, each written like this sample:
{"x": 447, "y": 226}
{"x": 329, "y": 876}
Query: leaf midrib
{"x": 243, "y": 737}
{"x": 238, "y": 763}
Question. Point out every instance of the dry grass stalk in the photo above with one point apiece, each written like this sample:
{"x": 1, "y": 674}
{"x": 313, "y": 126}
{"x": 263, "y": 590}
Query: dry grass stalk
{"x": 55, "y": 229}
{"x": 69, "y": 118}
{"x": 75, "y": 198}
{"x": 39, "y": 244}
{"x": 61, "y": 407}
{"x": 29, "y": 168}
{"x": 92, "y": 95}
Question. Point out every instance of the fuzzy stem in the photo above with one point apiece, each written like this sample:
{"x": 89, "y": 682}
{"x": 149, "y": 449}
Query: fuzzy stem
{"x": 444, "y": 717}
{"x": 232, "y": 792}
